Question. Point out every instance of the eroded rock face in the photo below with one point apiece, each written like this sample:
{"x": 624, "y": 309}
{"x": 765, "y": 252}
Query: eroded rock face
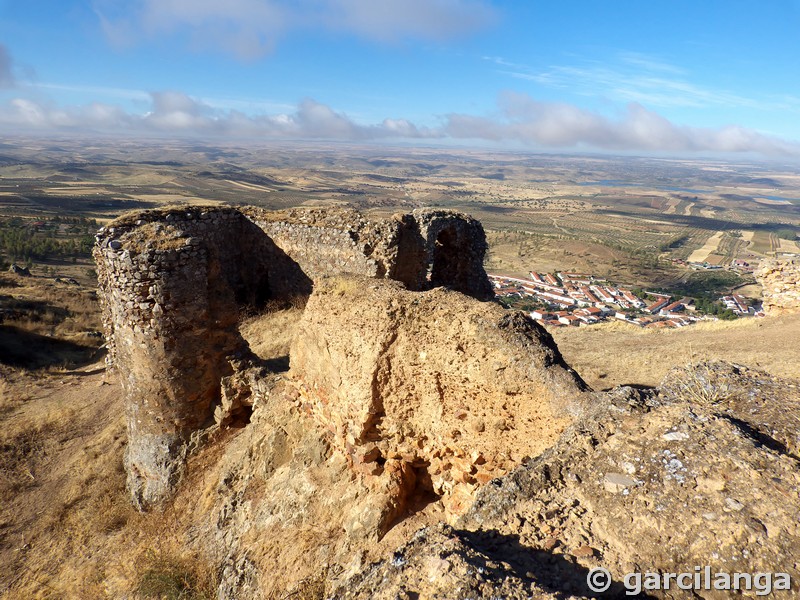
{"x": 398, "y": 407}
{"x": 440, "y": 562}
{"x": 780, "y": 280}
{"x": 702, "y": 471}
{"x": 699, "y": 474}
{"x": 447, "y": 391}
{"x": 173, "y": 282}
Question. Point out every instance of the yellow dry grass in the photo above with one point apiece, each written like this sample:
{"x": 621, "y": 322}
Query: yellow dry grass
{"x": 270, "y": 334}
{"x": 49, "y": 324}
{"x": 57, "y": 301}
{"x": 789, "y": 246}
{"x": 67, "y": 528}
{"x": 618, "y": 353}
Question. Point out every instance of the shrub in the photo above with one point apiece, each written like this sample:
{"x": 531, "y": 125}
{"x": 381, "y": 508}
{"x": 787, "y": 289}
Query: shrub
{"x": 166, "y": 577}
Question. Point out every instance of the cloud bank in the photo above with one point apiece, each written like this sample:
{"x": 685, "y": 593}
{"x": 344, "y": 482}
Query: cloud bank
{"x": 251, "y": 28}
{"x": 175, "y": 113}
{"x": 520, "y": 120}
{"x": 559, "y": 125}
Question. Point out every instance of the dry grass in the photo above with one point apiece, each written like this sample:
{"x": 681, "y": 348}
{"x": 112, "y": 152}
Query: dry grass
{"x": 71, "y": 309}
{"x": 174, "y": 577}
{"x": 699, "y": 384}
{"x": 21, "y": 451}
{"x": 62, "y": 485}
{"x": 11, "y": 398}
{"x": 619, "y": 353}
{"x": 341, "y": 286}
{"x": 270, "y": 333}
{"x": 48, "y": 324}
{"x": 309, "y": 589}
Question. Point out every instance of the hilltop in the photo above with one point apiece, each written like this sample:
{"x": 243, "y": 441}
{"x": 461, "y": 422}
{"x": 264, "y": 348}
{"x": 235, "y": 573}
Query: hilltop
{"x": 385, "y": 432}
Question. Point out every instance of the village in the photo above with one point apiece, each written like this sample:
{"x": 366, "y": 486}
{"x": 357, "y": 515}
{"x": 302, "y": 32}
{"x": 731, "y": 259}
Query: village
{"x": 578, "y": 299}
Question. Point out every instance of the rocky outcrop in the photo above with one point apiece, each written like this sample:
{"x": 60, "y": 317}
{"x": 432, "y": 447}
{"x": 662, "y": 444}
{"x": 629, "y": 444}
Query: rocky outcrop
{"x": 441, "y": 562}
{"x": 704, "y": 471}
{"x": 701, "y": 471}
{"x": 398, "y": 408}
{"x": 450, "y": 392}
{"x": 173, "y": 283}
{"x": 780, "y": 282}
{"x": 17, "y": 270}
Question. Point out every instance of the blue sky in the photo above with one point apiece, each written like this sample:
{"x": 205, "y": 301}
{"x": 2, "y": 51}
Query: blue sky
{"x": 677, "y": 77}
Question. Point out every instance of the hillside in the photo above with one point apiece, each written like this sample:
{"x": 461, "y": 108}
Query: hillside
{"x": 382, "y": 437}
{"x": 614, "y": 354}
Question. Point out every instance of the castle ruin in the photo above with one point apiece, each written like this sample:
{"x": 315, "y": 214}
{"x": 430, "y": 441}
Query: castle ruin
{"x": 173, "y": 283}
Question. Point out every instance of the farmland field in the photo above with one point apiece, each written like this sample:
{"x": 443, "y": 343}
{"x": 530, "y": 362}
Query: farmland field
{"x": 628, "y": 219}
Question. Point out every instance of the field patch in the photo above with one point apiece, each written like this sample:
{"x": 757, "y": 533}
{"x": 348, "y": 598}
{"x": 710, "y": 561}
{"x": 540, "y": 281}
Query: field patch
{"x": 764, "y": 242}
{"x": 250, "y": 186}
{"x": 769, "y": 202}
{"x": 702, "y": 254}
{"x": 166, "y": 198}
{"x": 789, "y": 246}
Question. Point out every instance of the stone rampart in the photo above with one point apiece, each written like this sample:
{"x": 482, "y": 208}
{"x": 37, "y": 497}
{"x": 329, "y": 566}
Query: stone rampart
{"x": 173, "y": 283}
{"x": 780, "y": 282}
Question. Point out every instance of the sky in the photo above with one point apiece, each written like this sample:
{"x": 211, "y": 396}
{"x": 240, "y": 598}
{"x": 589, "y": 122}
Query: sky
{"x": 680, "y": 78}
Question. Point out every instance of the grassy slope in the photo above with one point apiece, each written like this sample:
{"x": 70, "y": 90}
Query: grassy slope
{"x": 618, "y": 353}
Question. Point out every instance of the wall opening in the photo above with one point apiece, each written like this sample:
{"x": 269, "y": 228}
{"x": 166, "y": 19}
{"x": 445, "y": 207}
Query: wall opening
{"x": 447, "y": 262}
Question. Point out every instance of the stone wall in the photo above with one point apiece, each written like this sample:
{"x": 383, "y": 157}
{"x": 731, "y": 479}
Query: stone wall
{"x": 325, "y": 241}
{"x": 455, "y": 245}
{"x": 172, "y": 285}
{"x": 780, "y": 280}
{"x": 174, "y": 281}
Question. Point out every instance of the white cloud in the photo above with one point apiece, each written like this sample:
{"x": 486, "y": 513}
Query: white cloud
{"x": 519, "y": 119}
{"x": 22, "y": 113}
{"x": 176, "y": 113}
{"x": 561, "y": 125}
{"x": 250, "y": 28}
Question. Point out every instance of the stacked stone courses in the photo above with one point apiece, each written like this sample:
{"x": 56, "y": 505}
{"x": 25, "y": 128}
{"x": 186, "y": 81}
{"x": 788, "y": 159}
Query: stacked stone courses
{"x": 173, "y": 283}
{"x": 780, "y": 282}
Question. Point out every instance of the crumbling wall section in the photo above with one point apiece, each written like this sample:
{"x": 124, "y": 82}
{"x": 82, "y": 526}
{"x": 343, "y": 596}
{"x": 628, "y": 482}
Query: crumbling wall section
{"x": 456, "y": 246}
{"x": 780, "y": 282}
{"x": 172, "y": 286}
{"x": 330, "y": 241}
{"x": 173, "y": 282}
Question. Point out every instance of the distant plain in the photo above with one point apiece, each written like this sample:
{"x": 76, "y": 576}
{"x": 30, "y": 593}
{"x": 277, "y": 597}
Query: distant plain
{"x": 624, "y": 218}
